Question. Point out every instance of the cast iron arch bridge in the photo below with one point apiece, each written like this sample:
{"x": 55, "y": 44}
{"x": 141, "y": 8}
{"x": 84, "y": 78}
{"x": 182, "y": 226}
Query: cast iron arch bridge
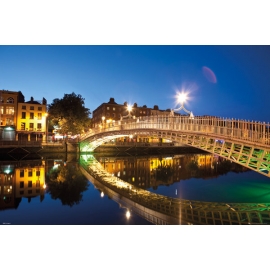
{"x": 244, "y": 142}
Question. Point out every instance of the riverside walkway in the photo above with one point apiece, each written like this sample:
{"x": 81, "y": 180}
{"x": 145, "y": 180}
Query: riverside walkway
{"x": 159, "y": 209}
{"x": 244, "y": 142}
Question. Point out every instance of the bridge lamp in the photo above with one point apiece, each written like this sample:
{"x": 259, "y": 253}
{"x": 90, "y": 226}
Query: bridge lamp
{"x": 182, "y": 97}
{"x": 129, "y": 108}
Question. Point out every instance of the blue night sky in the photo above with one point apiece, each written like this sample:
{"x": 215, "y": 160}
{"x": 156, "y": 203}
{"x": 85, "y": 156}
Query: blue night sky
{"x": 226, "y": 81}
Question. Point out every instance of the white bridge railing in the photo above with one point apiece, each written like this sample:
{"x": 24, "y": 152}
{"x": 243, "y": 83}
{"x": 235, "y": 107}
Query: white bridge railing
{"x": 249, "y": 131}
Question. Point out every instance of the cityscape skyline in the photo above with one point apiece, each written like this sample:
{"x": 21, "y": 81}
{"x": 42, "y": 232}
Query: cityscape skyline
{"x": 224, "y": 81}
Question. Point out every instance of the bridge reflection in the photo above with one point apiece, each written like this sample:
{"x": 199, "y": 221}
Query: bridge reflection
{"x": 159, "y": 209}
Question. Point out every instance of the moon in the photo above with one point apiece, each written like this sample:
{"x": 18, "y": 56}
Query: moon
{"x": 209, "y": 74}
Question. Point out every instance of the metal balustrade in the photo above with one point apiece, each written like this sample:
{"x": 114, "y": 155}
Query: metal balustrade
{"x": 241, "y": 141}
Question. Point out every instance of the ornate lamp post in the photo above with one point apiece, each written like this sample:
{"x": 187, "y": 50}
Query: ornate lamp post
{"x": 129, "y": 109}
{"x": 181, "y": 98}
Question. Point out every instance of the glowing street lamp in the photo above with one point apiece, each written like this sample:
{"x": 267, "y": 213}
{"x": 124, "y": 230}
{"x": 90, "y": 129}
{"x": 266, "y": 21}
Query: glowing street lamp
{"x": 181, "y": 98}
{"x": 129, "y": 109}
{"x": 103, "y": 118}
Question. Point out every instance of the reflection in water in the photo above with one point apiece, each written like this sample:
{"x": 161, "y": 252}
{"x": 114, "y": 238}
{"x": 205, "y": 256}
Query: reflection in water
{"x": 154, "y": 171}
{"x": 132, "y": 182}
{"x": 161, "y": 209}
{"x": 67, "y": 183}
{"x": 21, "y": 179}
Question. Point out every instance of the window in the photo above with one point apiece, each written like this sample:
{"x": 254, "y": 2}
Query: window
{"x": 39, "y": 126}
{"x": 39, "y": 116}
{"x": 23, "y": 115}
{"x": 108, "y": 108}
{"x": 2, "y": 110}
{"x": 10, "y": 100}
{"x": 23, "y": 107}
{"x": 21, "y": 184}
{"x": 32, "y": 108}
{"x": 21, "y": 173}
{"x": 31, "y": 126}
{"x": 30, "y": 173}
{"x": 39, "y": 108}
{"x": 113, "y": 109}
{"x": 31, "y": 115}
{"x": 29, "y": 183}
{"x": 10, "y": 110}
{"x": 38, "y": 183}
{"x": 22, "y": 126}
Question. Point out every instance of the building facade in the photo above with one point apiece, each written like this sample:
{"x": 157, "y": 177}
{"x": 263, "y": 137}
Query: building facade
{"x": 32, "y": 120}
{"x": 111, "y": 111}
{"x": 20, "y": 120}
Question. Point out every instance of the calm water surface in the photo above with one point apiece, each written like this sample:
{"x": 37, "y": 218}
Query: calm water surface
{"x": 68, "y": 197}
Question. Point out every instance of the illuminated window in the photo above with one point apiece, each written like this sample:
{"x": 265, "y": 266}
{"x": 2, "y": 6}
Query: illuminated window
{"x": 10, "y": 110}
{"x": 108, "y": 108}
{"x": 2, "y": 110}
{"x": 39, "y": 116}
{"x": 22, "y": 126}
{"x": 113, "y": 109}
{"x": 31, "y": 126}
{"x": 39, "y": 126}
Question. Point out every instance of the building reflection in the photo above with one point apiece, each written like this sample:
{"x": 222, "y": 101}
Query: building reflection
{"x": 24, "y": 179}
{"x": 160, "y": 209}
{"x": 152, "y": 171}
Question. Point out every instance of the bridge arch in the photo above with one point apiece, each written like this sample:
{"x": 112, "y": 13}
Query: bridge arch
{"x": 242, "y": 142}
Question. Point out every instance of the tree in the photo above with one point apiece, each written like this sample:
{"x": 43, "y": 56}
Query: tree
{"x": 69, "y": 114}
{"x": 67, "y": 183}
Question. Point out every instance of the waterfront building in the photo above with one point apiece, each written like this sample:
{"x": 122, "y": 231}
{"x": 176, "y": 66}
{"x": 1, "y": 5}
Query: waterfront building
{"x": 32, "y": 120}
{"x": 112, "y": 111}
{"x": 108, "y": 113}
{"x": 20, "y": 120}
{"x": 8, "y": 113}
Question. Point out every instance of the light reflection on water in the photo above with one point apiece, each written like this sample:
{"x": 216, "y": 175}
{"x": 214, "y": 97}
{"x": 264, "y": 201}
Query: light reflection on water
{"x": 69, "y": 198}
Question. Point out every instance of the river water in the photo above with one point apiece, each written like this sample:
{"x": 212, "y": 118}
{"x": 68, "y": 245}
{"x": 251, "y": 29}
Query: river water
{"x": 54, "y": 190}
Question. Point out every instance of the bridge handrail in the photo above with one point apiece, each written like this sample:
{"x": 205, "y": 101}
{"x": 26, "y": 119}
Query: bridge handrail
{"x": 252, "y": 131}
